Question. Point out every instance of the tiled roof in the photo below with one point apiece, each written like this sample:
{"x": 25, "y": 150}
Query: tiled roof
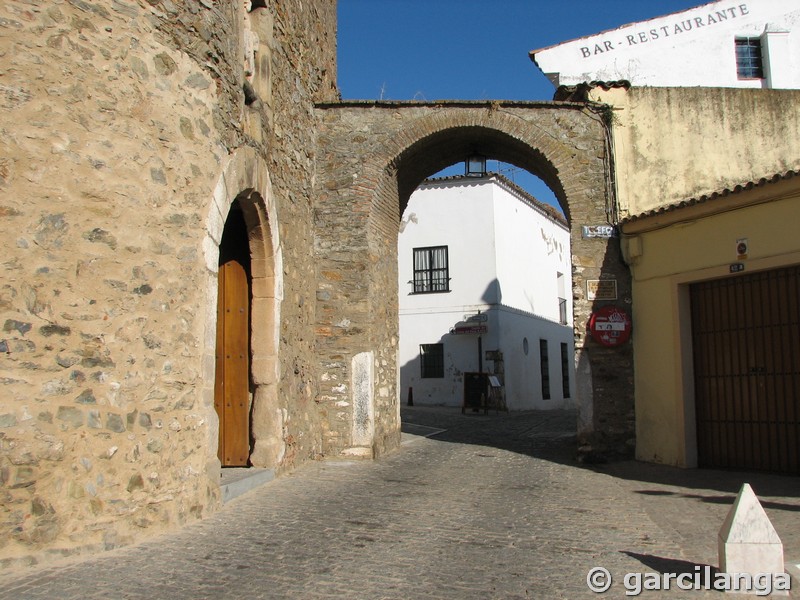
{"x": 737, "y": 189}
{"x": 580, "y": 92}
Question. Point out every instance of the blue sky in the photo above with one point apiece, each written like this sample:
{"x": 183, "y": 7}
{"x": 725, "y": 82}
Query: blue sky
{"x": 468, "y": 49}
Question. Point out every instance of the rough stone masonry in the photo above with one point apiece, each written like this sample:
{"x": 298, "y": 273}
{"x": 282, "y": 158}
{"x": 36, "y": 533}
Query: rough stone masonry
{"x": 119, "y": 120}
{"x": 128, "y": 130}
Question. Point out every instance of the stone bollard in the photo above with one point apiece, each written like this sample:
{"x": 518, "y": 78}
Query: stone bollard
{"x": 749, "y": 546}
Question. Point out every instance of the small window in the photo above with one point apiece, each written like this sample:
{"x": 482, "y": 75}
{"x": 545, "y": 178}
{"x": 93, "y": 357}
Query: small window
{"x": 562, "y": 298}
{"x": 431, "y": 270}
{"x": 565, "y": 370}
{"x": 749, "y": 64}
{"x": 432, "y": 360}
{"x": 544, "y": 365}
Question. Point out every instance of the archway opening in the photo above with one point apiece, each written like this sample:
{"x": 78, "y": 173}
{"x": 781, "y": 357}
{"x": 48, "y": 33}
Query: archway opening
{"x": 447, "y": 149}
{"x": 523, "y": 179}
{"x": 366, "y": 195}
{"x": 484, "y": 284}
{"x": 246, "y": 350}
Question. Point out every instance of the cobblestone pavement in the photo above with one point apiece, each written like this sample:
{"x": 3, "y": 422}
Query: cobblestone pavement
{"x": 494, "y": 506}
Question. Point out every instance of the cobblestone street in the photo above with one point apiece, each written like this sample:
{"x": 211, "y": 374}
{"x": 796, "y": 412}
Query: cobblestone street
{"x": 487, "y": 506}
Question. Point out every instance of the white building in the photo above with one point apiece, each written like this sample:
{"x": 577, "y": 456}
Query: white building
{"x": 470, "y": 246}
{"x": 729, "y": 43}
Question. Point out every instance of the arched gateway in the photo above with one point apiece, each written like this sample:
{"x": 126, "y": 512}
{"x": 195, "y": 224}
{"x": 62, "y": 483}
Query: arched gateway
{"x": 243, "y": 195}
{"x": 372, "y": 156}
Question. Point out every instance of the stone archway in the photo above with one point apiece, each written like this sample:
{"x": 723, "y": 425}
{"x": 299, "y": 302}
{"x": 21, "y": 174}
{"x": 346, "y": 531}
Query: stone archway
{"x": 374, "y": 154}
{"x": 245, "y": 180}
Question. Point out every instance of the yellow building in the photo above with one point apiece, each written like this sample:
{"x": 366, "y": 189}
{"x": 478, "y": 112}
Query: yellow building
{"x": 708, "y": 200}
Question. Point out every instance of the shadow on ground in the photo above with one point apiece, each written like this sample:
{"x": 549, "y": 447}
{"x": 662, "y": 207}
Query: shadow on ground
{"x": 551, "y": 435}
{"x": 661, "y": 564}
{"x": 546, "y": 434}
{"x": 727, "y": 482}
{"x": 690, "y": 503}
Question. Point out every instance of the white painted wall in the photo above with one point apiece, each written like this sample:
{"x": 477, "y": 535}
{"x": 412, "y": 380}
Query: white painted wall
{"x": 694, "y": 47}
{"x": 532, "y": 249}
{"x": 457, "y": 216}
{"x": 504, "y": 256}
{"x": 523, "y": 380}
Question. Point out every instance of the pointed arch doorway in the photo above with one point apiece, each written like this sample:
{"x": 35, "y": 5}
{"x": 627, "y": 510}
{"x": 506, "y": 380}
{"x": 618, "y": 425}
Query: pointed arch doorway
{"x": 232, "y": 387}
{"x": 244, "y": 259}
{"x": 246, "y": 374}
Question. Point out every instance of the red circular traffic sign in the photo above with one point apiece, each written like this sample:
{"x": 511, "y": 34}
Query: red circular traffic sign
{"x": 610, "y": 326}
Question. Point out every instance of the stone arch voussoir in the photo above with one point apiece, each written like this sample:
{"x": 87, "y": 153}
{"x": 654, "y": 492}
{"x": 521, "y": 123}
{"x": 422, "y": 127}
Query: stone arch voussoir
{"x": 396, "y": 146}
{"x": 550, "y": 146}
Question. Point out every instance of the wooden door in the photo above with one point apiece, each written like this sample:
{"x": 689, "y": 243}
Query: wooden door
{"x": 746, "y": 344}
{"x": 231, "y": 385}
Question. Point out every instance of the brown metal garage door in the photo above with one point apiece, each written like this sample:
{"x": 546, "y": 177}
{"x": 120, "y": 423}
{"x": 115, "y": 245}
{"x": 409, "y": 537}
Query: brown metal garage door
{"x": 746, "y": 343}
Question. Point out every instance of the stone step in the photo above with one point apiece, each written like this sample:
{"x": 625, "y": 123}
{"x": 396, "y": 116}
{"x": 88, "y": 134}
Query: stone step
{"x": 236, "y": 481}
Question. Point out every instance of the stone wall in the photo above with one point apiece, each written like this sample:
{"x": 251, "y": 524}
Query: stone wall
{"x": 118, "y": 122}
{"x": 372, "y": 157}
{"x": 127, "y": 131}
{"x": 304, "y": 72}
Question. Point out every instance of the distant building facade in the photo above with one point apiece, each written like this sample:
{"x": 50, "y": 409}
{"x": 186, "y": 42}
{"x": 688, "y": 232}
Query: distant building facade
{"x": 484, "y": 283}
{"x": 751, "y": 44}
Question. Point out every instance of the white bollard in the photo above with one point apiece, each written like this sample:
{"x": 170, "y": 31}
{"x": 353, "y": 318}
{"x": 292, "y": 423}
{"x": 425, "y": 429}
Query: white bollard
{"x": 748, "y": 543}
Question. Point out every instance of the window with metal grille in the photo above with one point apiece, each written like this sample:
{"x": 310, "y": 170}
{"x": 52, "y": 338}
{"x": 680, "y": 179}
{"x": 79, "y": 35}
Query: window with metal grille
{"x": 432, "y": 360}
{"x": 544, "y": 365}
{"x": 431, "y": 270}
{"x": 749, "y": 64}
{"x": 565, "y": 370}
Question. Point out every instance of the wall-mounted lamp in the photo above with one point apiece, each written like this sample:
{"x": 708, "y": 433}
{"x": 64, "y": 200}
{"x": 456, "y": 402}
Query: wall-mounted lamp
{"x": 475, "y": 165}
